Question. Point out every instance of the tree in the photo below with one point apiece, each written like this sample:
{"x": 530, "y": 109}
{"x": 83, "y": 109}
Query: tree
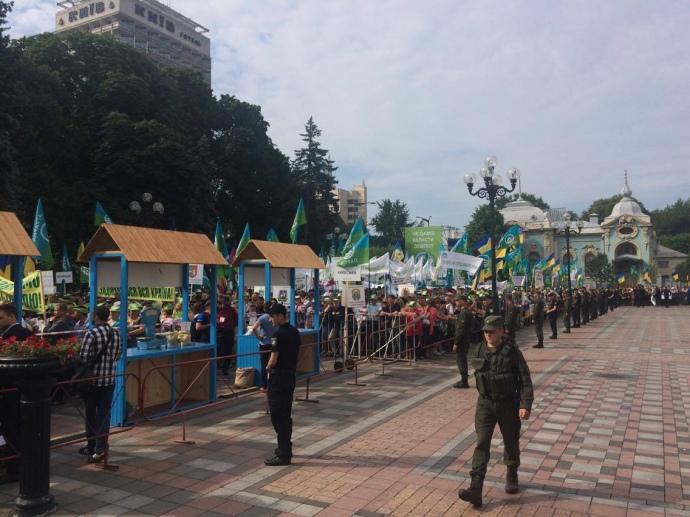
{"x": 679, "y": 242}
{"x": 683, "y": 270}
{"x": 480, "y": 224}
{"x": 535, "y": 200}
{"x": 390, "y": 221}
{"x": 673, "y": 219}
{"x": 314, "y": 171}
{"x": 600, "y": 270}
{"x": 604, "y": 206}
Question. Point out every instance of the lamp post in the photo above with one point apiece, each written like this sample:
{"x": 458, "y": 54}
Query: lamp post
{"x": 423, "y": 220}
{"x": 492, "y": 190}
{"x": 148, "y": 209}
{"x": 567, "y": 228}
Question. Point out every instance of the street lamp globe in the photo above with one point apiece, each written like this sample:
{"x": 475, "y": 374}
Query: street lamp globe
{"x": 580, "y": 225}
{"x": 497, "y": 180}
{"x": 158, "y": 207}
{"x": 470, "y": 179}
{"x": 135, "y": 207}
{"x": 146, "y": 197}
{"x": 491, "y": 162}
{"x": 567, "y": 217}
{"x": 485, "y": 173}
{"x": 513, "y": 174}
{"x": 336, "y": 230}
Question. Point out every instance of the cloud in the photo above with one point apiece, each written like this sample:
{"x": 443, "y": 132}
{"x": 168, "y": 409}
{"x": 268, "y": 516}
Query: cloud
{"x": 412, "y": 95}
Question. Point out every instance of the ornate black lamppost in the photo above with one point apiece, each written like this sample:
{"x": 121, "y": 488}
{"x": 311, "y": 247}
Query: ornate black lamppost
{"x": 147, "y": 213}
{"x": 569, "y": 227}
{"x": 492, "y": 189}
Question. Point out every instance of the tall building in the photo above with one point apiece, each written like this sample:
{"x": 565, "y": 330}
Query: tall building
{"x": 626, "y": 236}
{"x": 164, "y": 35}
{"x": 352, "y": 203}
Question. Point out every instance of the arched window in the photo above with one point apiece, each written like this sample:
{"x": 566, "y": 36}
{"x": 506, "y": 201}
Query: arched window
{"x": 533, "y": 258}
{"x": 626, "y": 248}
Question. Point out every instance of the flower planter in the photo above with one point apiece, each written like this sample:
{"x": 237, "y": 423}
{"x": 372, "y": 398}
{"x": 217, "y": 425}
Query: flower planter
{"x": 32, "y": 376}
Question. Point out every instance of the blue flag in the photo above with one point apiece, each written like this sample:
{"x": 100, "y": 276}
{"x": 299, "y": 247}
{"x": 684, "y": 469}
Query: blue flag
{"x": 66, "y": 266}
{"x": 40, "y": 236}
{"x": 100, "y": 216}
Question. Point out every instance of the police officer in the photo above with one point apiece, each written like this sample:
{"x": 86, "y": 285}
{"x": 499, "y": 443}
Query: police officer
{"x": 463, "y": 337}
{"x": 577, "y": 302}
{"x": 281, "y": 368}
{"x": 505, "y": 398}
{"x": 538, "y": 318}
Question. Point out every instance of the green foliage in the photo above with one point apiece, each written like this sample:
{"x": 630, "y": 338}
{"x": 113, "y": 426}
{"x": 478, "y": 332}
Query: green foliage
{"x": 314, "y": 170}
{"x": 600, "y": 270}
{"x": 672, "y": 220}
{"x": 604, "y": 206}
{"x": 679, "y": 242}
{"x": 480, "y": 224}
{"x": 390, "y": 221}
{"x": 535, "y": 200}
{"x": 683, "y": 269}
{"x": 100, "y": 121}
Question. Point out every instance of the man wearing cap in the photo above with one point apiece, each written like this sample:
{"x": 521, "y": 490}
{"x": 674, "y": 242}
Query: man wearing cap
{"x": 463, "y": 336}
{"x": 505, "y": 398}
{"x": 282, "y": 364}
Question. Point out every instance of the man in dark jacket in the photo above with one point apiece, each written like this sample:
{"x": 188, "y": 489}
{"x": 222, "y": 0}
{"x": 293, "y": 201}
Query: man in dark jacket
{"x": 463, "y": 337}
{"x": 505, "y": 398}
{"x": 538, "y": 317}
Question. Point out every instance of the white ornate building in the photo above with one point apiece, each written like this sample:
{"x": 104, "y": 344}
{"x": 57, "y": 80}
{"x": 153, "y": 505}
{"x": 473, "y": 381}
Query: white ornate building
{"x": 626, "y": 236}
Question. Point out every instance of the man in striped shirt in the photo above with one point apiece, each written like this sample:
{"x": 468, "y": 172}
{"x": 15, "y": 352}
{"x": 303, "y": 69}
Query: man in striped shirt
{"x": 101, "y": 349}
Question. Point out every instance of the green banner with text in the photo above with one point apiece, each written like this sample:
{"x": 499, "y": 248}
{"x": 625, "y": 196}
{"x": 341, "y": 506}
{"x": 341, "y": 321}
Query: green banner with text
{"x": 420, "y": 239}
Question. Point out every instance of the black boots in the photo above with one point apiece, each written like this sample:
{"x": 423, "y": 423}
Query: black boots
{"x": 512, "y": 480}
{"x": 474, "y": 493}
{"x": 462, "y": 383}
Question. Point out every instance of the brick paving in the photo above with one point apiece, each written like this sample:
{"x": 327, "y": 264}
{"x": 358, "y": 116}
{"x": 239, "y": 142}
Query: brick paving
{"x": 609, "y": 435}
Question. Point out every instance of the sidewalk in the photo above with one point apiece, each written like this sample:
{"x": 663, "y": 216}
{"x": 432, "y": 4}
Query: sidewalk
{"x": 609, "y": 435}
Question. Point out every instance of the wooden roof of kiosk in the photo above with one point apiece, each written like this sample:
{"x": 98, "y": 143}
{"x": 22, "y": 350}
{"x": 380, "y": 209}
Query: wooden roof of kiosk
{"x": 280, "y": 255}
{"x": 13, "y": 238}
{"x": 153, "y": 246}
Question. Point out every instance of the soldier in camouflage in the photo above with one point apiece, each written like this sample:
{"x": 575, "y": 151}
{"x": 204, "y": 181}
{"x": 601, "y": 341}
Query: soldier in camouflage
{"x": 463, "y": 338}
{"x": 505, "y": 398}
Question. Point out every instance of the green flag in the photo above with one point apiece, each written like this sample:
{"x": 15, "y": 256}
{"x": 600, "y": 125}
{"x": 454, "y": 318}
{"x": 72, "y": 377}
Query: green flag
{"x": 222, "y": 247}
{"x": 66, "y": 266}
{"x": 40, "y": 236}
{"x": 355, "y": 235}
{"x": 272, "y": 236}
{"x": 300, "y": 220}
{"x": 462, "y": 246}
{"x": 244, "y": 240}
{"x": 83, "y": 271}
{"x": 358, "y": 254}
{"x": 511, "y": 237}
{"x": 100, "y": 216}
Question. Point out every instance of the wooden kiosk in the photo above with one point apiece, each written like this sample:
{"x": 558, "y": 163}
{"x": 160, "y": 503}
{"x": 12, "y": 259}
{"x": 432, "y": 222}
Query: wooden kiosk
{"x": 17, "y": 245}
{"x": 267, "y": 264}
{"x": 128, "y": 258}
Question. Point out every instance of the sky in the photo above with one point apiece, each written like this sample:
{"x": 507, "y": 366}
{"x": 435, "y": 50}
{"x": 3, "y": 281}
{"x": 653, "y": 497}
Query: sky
{"x": 413, "y": 95}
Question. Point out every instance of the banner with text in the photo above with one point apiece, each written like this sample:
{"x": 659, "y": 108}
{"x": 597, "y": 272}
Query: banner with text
{"x": 426, "y": 239}
{"x": 156, "y": 294}
{"x": 460, "y": 261}
{"x": 32, "y": 294}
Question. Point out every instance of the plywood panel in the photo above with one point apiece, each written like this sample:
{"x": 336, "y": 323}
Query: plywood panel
{"x": 186, "y": 374}
{"x": 306, "y": 360}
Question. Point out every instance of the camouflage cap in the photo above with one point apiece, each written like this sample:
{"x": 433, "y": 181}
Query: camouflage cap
{"x": 493, "y": 323}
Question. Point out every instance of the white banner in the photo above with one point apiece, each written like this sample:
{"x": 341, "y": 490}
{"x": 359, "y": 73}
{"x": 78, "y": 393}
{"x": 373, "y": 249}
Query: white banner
{"x": 345, "y": 274}
{"x": 401, "y": 269}
{"x": 519, "y": 281}
{"x": 196, "y": 274}
{"x": 354, "y": 297}
{"x": 63, "y": 276}
{"x": 405, "y": 290}
{"x": 538, "y": 278}
{"x": 460, "y": 261}
{"x": 377, "y": 266}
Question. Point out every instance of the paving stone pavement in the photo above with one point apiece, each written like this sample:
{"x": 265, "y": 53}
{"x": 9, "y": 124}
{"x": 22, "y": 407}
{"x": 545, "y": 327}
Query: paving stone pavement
{"x": 609, "y": 435}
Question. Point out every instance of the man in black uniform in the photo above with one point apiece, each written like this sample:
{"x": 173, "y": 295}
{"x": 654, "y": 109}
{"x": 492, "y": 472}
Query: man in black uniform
{"x": 577, "y": 302}
{"x": 281, "y": 382}
{"x": 505, "y": 398}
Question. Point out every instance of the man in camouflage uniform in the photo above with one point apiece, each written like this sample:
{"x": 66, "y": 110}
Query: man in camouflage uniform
{"x": 538, "y": 317}
{"x": 463, "y": 337}
{"x": 505, "y": 398}
{"x": 511, "y": 316}
{"x": 567, "y": 308}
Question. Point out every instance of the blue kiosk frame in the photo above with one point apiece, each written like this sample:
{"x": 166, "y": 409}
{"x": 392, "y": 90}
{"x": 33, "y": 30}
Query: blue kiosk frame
{"x": 126, "y": 246}
{"x": 267, "y": 257}
{"x": 17, "y": 245}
